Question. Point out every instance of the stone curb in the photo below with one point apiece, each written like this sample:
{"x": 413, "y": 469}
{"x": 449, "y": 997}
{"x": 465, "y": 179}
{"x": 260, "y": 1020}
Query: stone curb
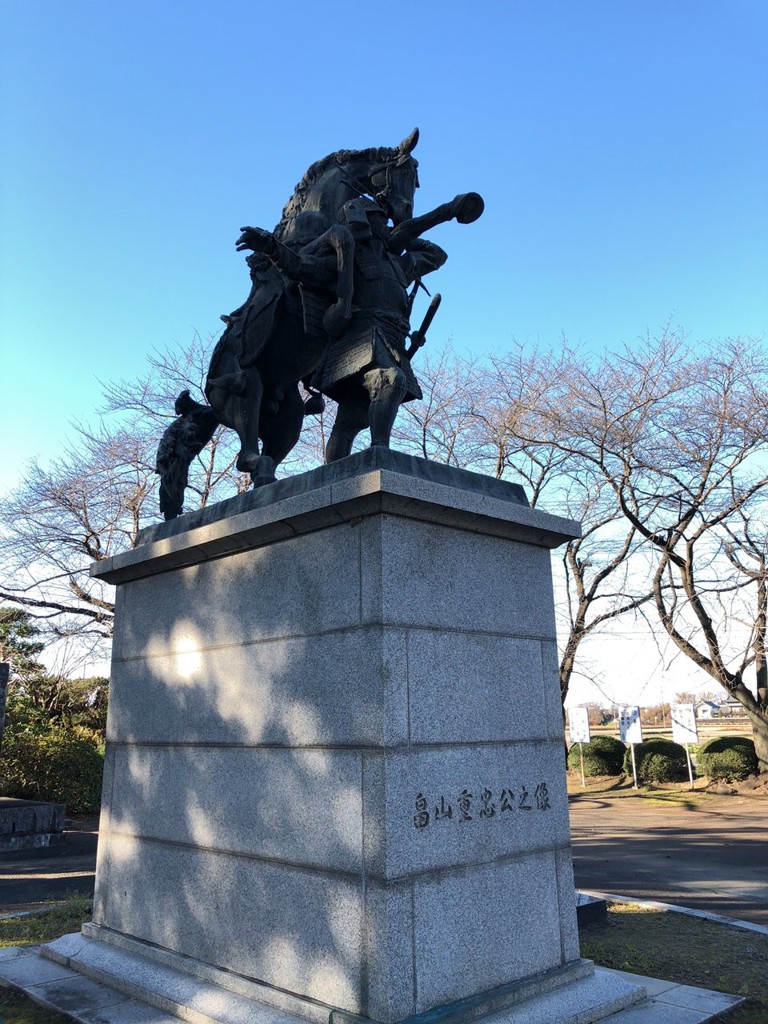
{"x": 703, "y": 915}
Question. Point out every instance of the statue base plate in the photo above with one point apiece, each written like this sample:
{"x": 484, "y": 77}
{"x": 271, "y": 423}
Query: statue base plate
{"x": 193, "y": 991}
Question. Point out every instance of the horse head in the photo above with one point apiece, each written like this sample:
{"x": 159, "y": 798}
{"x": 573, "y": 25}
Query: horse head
{"x": 390, "y": 173}
{"x": 395, "y": 178}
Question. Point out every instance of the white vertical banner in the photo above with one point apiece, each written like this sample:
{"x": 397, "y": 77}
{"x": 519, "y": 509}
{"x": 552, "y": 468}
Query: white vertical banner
{"x": 578, "y": 725}
{"x": 684, "y": 728}
{"x": 578, "y": 730}
{"x": 685, "y": 731}
{"x": 631, "y": 731}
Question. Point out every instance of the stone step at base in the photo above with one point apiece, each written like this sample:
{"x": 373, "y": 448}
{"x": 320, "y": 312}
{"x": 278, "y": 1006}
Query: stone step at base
{"x": 111, "y": 986}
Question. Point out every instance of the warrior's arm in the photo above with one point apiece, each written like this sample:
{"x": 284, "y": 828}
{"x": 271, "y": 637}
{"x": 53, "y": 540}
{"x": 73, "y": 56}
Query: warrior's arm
{"x": 420, "y": 258}
{"x": 465, "y": 208}
{"x": 312, "y": 268}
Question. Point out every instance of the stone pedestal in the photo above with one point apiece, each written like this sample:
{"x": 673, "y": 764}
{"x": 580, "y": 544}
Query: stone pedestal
{"x": 27, "y": 825}
{"x": 335, "y": 776}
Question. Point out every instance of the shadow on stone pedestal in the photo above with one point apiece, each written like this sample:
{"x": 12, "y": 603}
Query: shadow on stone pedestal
{"x": 334, "y": 781}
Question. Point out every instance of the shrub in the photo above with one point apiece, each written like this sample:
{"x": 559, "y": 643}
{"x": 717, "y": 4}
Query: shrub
{"x": 602, "y": 756}
{"x": 727, "y": 757}
{"x": 658, "y": 760}
{"x": 59, "y": 765}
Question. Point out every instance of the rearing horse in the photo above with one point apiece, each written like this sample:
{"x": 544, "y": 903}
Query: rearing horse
{"x": 280, "y": 334}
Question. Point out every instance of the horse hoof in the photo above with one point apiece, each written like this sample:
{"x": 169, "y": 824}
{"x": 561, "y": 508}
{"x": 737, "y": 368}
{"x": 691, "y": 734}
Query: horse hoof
{"x": 246, "y": 463}
{"x": 262, "y": 471}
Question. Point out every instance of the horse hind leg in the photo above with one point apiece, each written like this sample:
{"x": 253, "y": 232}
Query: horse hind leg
{"x": 263, "y": 471}
{"x": 240, "y": 408}
{"x": 281, "y": 428}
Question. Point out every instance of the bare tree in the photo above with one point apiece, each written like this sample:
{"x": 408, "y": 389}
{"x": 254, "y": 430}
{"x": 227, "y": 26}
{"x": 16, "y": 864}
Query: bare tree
{"x": 519, "y": 437}
{"x": 680, "y": 436}
{"x": 58, "y": 522}
{"x": 93, "y": 500}
{"x": 441, "y": 427}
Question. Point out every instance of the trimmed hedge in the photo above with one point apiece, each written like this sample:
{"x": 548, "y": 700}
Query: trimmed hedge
{"x": 60, "y": 765}
{"x": 658, "y": 760}
{"x": 604, "y": 755}
{"x": 731, "y": 758}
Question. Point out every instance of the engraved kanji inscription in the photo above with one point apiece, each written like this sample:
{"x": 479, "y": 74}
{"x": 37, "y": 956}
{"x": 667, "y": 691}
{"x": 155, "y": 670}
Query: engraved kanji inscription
{"x": 507, "y": 800}
{"x": 492, "y": 805}
{"x": 443, "y": 810}
{"x": 541, "y": 796}
{"x": 488, "y": 810}
{"x": 465, "y": 802}
{"x": 421, "y": 817}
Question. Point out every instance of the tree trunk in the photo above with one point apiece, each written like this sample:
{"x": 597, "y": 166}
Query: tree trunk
{"x": 566, "y": 668}
{"x": 761, "y": 630}
{"x": 760, "y": 736}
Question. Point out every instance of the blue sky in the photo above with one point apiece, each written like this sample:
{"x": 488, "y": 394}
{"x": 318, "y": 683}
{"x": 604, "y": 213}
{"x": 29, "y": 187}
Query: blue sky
{"x": 620, "y": 146}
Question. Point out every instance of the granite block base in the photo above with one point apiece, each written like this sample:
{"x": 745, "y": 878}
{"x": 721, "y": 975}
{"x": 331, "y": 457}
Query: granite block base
{"x": 334, "y": 764}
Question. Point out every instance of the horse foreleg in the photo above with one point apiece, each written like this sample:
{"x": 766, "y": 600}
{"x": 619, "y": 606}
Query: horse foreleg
{"x": 351, "y": 418}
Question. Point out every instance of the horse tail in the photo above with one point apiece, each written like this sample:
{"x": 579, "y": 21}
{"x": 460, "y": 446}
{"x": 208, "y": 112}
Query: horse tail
{"x": 185, "y": 438}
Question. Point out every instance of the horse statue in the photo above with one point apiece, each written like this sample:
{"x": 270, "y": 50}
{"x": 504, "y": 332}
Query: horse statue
{"x": 302, "y": 280}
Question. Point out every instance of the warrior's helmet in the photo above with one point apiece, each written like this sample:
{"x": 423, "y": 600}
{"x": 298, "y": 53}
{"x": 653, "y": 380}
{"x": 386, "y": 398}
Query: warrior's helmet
{"x": 360, "y": 210}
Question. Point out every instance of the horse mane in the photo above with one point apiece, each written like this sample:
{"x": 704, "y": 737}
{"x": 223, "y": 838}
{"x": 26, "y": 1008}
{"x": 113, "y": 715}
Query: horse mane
{"x": 374, "y": 155}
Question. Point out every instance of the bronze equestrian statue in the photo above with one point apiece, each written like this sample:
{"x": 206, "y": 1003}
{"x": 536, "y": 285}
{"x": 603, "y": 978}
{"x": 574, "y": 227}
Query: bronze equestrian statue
{"x": 329, "y": 308}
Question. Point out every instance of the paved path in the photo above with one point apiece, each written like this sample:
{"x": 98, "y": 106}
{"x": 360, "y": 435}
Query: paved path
{"x": 28, "y": 881}
{"x": 711, "y": 856}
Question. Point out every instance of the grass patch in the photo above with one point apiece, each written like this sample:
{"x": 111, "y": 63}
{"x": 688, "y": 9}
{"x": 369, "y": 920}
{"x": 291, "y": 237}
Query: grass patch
{"x": 43, "y": 927}
{"x": 704, "y": 791}
{"x": 686, "y": 950}
{"x": 15, "y": 1007}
